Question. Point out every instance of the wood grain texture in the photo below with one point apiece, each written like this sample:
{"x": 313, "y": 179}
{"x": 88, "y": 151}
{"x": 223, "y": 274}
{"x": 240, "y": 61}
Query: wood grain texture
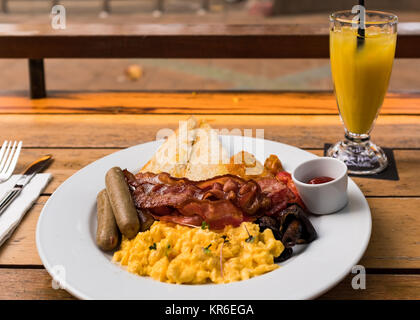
{"x": 38, "y": 41}
{"x": 394, "y": 242}
{"x": 36, "y": 284}
{"x": 378, "y": 287}
{"x": 194, "y": 102}
{"x": 29, "y": 284}
{"x": 20, "y": 248}
{"x": 155, "y": 29}
{"x": 409, "y": 183}
{"x": 80, "y": 128}
{"x": 68, "y": 161}
{"x": 120, "y": 131}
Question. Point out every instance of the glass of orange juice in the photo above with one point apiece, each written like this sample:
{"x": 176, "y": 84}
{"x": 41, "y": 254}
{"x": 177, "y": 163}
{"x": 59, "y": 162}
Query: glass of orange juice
{"x": 362, "y": 53}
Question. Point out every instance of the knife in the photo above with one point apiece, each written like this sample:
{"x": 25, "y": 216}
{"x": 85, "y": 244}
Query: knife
{"x": 26, "y": 177}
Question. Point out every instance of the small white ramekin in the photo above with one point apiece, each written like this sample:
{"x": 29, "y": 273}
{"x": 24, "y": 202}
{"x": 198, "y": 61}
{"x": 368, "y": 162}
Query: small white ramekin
{"x": 326, "y": 197}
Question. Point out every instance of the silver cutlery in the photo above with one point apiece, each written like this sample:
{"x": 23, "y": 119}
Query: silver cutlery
{"x": 26, "y": 177}
{"x": 9, "y": 155}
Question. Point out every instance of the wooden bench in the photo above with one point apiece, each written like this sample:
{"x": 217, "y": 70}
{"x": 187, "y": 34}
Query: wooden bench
{"x": 38, "y": 42}
{"x": 106, "y": 4}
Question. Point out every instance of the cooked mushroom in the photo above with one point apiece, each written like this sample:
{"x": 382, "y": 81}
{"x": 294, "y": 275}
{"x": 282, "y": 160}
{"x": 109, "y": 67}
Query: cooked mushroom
{"x": 266, "y": 222}
{"x": 293, "y": 234}
{"x": 295, "y": 227}
{"x": 286, "y": 254}
{"x": 146, "y": 219}
{"x": 291, "y": 227}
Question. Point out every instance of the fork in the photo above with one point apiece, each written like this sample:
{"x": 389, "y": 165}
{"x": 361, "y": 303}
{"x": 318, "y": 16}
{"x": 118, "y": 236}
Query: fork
{"x": 9, "y": 155}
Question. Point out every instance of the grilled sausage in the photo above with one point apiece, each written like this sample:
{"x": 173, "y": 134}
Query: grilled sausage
{"x": 107, "y": 232}
{"x": 123, "y": 206}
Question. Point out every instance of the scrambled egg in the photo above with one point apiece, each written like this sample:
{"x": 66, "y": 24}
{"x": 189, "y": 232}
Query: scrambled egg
{"x": 179, "y": 254}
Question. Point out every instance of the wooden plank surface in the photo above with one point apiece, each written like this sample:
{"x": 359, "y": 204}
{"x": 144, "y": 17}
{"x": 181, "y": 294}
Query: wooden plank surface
{"x": 120, "y": 131}
{"x": 20, "y": 249}
{"x": 68, "y": 161}
{"x": 36, "y": 284}
{"x": 80, "y": 128}
{"x": 180, "y": 29}
{"x": 379, "y": 287}
{"x": 394, "y": 242}
{"x": 193, "y": 102}
{"x": 394, "y": 217}
{"x": 180, "y": 41}
{"x": 29, "y": 284}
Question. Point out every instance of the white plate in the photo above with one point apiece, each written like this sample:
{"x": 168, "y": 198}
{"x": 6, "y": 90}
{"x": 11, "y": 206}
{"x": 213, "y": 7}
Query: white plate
{"x": 65, "y": 238}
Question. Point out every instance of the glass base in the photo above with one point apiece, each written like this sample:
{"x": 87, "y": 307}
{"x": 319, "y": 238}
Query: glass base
{"x": 361, "y": 156}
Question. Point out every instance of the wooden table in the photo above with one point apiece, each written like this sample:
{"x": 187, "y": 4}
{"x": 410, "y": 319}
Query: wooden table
{"x": 78, "y": 128}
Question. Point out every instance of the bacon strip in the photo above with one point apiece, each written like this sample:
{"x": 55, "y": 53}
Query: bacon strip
{"x": 220, "y": 201}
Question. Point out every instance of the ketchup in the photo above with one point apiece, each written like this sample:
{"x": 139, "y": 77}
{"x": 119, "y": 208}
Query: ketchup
{"x": 319, "y": 180}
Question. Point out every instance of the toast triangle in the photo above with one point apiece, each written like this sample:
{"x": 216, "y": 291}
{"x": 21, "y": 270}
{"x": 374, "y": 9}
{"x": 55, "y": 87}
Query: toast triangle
{"x": 208, "y": 157}
{"x": 173, "y": 155}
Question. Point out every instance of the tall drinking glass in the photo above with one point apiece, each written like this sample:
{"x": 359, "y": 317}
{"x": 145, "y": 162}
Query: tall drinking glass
{"x": 361, "y": 69}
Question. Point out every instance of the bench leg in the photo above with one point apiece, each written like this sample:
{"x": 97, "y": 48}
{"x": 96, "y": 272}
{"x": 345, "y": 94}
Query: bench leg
{"x": 37, "y": 79}
{"x": 159, "y": 5}
{"x": 205, "y": 5}
{"x": 4, "y": 6}
{"x": 106, "y": 7}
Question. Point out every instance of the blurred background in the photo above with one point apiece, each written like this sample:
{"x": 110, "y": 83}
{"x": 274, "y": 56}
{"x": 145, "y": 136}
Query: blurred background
{"x": 193, "y": 74}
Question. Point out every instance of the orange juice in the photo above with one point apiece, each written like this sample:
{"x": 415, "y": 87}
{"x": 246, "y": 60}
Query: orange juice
{"x": 361, "y": 75}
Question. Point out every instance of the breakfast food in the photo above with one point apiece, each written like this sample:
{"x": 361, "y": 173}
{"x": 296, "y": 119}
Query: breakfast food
{"x": 220, "y": 201}
{"x": 208, "y": 158}
{"x": 173, "y": 156}
{"x": 320, "y": 180}
{"x": 178, "y": 254}
{"x": 107, "y": 231}
{"x": 121, "y": 202}
{"x": 192, "y": 215}
{"x": 146, "y": 220}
